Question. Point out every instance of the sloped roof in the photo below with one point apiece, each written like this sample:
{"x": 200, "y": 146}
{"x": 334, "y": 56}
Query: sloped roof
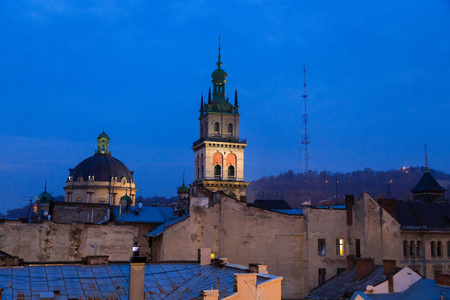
{"x": 145, "y": 215}
{"x": 428, "y": 183}
{"x": 345, "y": 282}
{"x": 422, "y": 289}
{"x": 162, "y": 280}
{"x": 415, "y": 215}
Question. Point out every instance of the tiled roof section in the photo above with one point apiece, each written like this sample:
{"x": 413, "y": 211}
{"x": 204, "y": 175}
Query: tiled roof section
{"x": 415, "y": 215}
{"x": 422, "y": 289}
{"x": 145, "y": 215}
{"x": 271, "y": 204}
{"x": 162, "y": 281}
{"x": 346, "y": 283}
{"x": 428, "y": 183}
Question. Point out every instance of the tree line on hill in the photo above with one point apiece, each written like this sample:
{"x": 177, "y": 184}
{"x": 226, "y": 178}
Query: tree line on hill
{"x": 329, "y": 188}
{"x": 317, "y": 187}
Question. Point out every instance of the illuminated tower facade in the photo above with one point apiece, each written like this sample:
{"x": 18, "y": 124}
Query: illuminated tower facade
{"x": 219, "y": 153}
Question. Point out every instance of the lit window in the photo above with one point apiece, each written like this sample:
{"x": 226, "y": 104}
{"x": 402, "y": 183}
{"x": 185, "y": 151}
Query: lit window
{"x": 101, "y": 200}
{"x": 78, "y": 199}
{"x": 321, "y": 247}
{"x": 340, "y": 247}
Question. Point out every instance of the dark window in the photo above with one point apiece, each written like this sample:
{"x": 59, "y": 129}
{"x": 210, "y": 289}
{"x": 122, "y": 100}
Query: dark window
{"x": 358, "y": 248}
{"x": 433, "y": 249}
{"x": 419, "y": 249}
{"x": 203, "y": 172}
{"x": 230, "y": 171}
{"x": 322, "y": 276}
{"x": 321, "y": 245}
{"x": 230, "y": 128}
{"x": 217, "y": 171}
{"x": 439, "y": 249}
{"x": 448, "y": 249}
{"x": 405, "y": 248}
{"x": 411, "y": 248}
{"x": 216, "y": 127}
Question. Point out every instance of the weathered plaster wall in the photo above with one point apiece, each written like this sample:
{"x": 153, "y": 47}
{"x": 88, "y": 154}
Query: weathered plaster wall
{"x": 49, "y": 241}
{"x": 244, "y": 235}
{"x": 328, "y": 224}
{"x": 378, "y": 231}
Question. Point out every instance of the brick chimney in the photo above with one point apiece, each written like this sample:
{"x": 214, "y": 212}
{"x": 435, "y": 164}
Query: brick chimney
{"x": 389, "y": 205}
{"x": 389, "y": 268}
{"x": 442, "y": 279}
{"x": 350, "y": 262}
{"x": 137, "y": 278}
{"x": 364, "y": 266}
{"x": 209, "y": 295}
{"x": 349, "y": 203}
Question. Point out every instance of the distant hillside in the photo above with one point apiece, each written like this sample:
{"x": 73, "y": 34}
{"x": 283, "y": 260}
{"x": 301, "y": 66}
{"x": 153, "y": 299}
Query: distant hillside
{"x": 296, "y": 188}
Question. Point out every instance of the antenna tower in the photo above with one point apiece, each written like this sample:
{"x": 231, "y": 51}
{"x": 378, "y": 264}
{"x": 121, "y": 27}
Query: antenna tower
{"x": 305, "y": 150}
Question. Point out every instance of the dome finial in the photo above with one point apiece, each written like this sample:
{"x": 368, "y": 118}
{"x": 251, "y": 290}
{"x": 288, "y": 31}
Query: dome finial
{"x": 219, "y": 63}
{"x": 45, "y": 187}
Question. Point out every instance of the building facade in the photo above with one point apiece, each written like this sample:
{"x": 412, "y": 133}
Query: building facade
{"x": 100, "y": 178}
{"x": 219, "y": 153}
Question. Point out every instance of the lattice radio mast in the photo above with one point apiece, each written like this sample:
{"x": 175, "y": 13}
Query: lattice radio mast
{"x": 305, "y": 138}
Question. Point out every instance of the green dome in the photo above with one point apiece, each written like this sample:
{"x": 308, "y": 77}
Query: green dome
{"x": 127, "y": 198}
{"x": 219, "y": 74}
{"x": 44, "y": 197}
{"x": 183, "y": 189}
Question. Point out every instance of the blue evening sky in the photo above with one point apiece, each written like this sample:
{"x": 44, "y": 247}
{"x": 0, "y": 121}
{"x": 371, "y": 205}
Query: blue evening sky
{"x": 378, "y": 75}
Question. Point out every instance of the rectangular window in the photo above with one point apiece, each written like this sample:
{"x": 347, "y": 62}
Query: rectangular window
{"x": 358, "y": 248}
{"x": 322, "y": 276}
{"x": 321, "y": 244}
{"x": 340, "y": 247}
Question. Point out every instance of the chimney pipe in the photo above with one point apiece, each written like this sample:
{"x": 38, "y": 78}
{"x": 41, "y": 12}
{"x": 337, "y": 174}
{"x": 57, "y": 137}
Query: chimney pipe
{"x": 349, "y": 203}
{"x": 137, "y": 278}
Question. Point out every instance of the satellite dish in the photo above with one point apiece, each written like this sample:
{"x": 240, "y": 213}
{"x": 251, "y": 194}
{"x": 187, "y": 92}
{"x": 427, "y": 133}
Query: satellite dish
{"x": 123, "y": 203}
{"x": 45, "y": 213}
{"x": 139, "y": 205}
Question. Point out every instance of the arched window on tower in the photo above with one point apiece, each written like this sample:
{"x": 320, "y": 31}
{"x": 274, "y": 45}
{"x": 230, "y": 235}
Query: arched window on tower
{"x": 230, "y": 171}
{"x": 217, "y": 171}
{"x": 411, "y": 248}
{"x": 405, "y": 249}
{"x": 216, "y": 128}
{"x": 230, "y": 128}
{"x": 433, "y": 249}
{"x": 419, "y": 249}
{"x": 439, "y": 249}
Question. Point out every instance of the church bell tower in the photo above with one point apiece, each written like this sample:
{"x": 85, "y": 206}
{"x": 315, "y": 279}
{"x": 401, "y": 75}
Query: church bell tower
{"x": 219, "y": 153}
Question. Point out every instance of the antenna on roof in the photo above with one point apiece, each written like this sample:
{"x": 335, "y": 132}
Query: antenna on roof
{"x": 426, "y": 160}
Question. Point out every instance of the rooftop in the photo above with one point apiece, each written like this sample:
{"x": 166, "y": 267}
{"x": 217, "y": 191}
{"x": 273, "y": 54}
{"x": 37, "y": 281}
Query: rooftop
{"x": 162, "y": 280}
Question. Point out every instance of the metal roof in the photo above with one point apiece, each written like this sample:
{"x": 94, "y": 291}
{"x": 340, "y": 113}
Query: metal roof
{"x": 162, "y": 281}
{"x": 144, "y": 215}
{"x": 427, "y": 183}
